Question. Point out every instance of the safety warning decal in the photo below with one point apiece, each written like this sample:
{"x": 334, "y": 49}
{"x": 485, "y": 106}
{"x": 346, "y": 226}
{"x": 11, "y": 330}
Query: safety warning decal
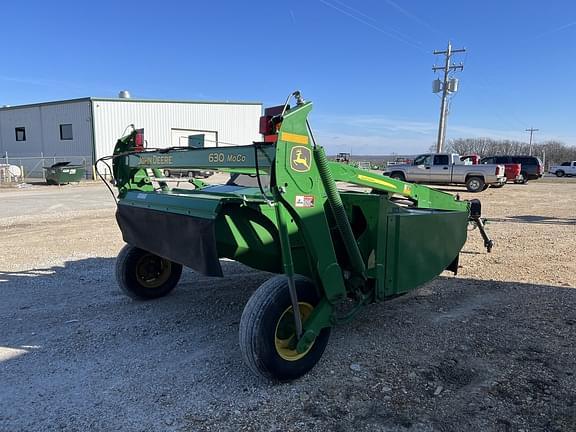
{"x": 304, "y": 201}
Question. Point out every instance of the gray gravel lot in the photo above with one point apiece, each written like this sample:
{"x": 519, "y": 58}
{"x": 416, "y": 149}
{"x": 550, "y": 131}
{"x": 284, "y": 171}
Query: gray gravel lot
{"x": 50, "y": 200}
{"x": 492, "y": 349}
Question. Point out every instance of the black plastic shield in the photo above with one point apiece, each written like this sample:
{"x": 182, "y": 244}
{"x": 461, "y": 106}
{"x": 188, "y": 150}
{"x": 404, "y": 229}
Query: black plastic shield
{"x": 187, "y": 240}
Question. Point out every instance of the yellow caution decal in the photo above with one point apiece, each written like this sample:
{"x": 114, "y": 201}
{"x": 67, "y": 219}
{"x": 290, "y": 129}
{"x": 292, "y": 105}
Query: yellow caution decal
{"x": 295, "y": 138}
{"x": 376, "y": 181}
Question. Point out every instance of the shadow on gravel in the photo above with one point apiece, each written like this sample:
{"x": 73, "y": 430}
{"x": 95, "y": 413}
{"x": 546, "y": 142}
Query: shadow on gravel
{"x": 449, "y": 189}
{"x": 457, "y": 354}
{"x": 546, "y": 220}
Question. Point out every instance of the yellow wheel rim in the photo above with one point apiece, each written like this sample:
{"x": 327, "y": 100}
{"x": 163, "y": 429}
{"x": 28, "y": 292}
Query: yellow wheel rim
{"x": 153, "y": 271}
{"x": 285, "y": 332}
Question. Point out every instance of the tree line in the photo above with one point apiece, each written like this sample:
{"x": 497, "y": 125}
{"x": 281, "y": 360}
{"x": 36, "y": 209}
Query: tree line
{"x": 551, "y": 152}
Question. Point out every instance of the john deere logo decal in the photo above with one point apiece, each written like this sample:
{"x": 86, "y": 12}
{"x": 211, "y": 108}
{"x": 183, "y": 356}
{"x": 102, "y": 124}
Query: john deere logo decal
{"x": 300, "y": 159}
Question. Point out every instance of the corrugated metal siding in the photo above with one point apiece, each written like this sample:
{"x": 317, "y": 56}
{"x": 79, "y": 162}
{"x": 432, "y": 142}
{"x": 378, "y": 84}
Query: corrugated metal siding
{"x": 28, "y": 118}
{"x": 76, "y": 114}
{"x": 42, "y": 125}
{"x": 236, "y": 124}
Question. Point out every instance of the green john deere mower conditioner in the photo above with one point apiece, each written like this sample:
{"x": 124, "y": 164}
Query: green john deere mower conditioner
{"x": 333, "y": 251}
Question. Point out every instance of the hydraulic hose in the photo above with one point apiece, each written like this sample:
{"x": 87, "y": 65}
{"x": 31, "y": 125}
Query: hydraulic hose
{"x": 339, "y": 212}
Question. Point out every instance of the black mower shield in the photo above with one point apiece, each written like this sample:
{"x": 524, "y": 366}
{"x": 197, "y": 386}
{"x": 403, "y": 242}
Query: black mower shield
{"x": 187, "y": 240}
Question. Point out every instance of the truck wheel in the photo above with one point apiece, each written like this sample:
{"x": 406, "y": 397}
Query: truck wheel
{"x": 475, "y": 184}
{"x": 560, "y": 173}
{"x": 142, "y": 275}
{"x": 398, "y": 176}
{"x": 267, "y": 330}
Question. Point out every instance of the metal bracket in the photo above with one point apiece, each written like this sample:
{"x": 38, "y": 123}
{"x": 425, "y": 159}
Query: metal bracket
{"x": 488, "y": 242}
{"x": 288, "y": 267}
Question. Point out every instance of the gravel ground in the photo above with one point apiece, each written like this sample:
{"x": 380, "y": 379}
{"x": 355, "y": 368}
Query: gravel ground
{"x": 492, "y": 349}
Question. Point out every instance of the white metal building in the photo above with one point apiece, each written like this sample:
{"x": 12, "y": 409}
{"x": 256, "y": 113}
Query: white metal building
{"x": 88, "y": 128}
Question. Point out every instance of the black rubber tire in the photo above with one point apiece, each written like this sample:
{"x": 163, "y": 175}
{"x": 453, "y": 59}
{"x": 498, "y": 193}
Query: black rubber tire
{"x": 126, "y": 275}
{"x": 497, "y": 185}
{"x": 166, "y": 173}
{"x": 524, "y": 177}
{"x": 475, "y": 184}
{"x": 560, "y": 173}
{"x": 258, "y": 329}
{"x": 398, "y": 176}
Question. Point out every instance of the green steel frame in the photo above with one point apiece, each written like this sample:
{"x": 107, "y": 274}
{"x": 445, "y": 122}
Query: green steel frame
{"x": 357, "y": 246}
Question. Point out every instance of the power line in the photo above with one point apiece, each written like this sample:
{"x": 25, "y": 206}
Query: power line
{"x": 413, "y": 17}
{"x": 394, "y": 34}
{"x": 447, "y": 87}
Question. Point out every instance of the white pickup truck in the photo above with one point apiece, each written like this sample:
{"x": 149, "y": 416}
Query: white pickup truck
{"x": 447, "y": 168}
{"x": 565, "y": 169}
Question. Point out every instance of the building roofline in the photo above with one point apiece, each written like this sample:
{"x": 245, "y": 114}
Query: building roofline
{"x": 98, "y": 99}
{"x": 199, "y": 102}
{"x": 38, "y": 104}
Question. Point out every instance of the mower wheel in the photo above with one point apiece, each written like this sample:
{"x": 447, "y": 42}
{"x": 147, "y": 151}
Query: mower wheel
{"x": 142, "y": 275}
{"x": 524, "y": 178}
{"x": 475, "y": 184}
{"x": 267, "y": 330}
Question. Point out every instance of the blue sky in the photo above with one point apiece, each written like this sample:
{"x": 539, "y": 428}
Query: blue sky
{"x": 366, "y": 64}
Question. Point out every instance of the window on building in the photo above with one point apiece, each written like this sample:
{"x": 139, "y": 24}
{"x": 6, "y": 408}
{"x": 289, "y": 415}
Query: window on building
{"x": 66, "y": 132}
{"x": 20, "y": 134}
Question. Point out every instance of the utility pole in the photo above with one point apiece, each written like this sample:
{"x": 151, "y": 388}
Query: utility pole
{"x": 447, "y": 86}
{"x": 531, "y": 130}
